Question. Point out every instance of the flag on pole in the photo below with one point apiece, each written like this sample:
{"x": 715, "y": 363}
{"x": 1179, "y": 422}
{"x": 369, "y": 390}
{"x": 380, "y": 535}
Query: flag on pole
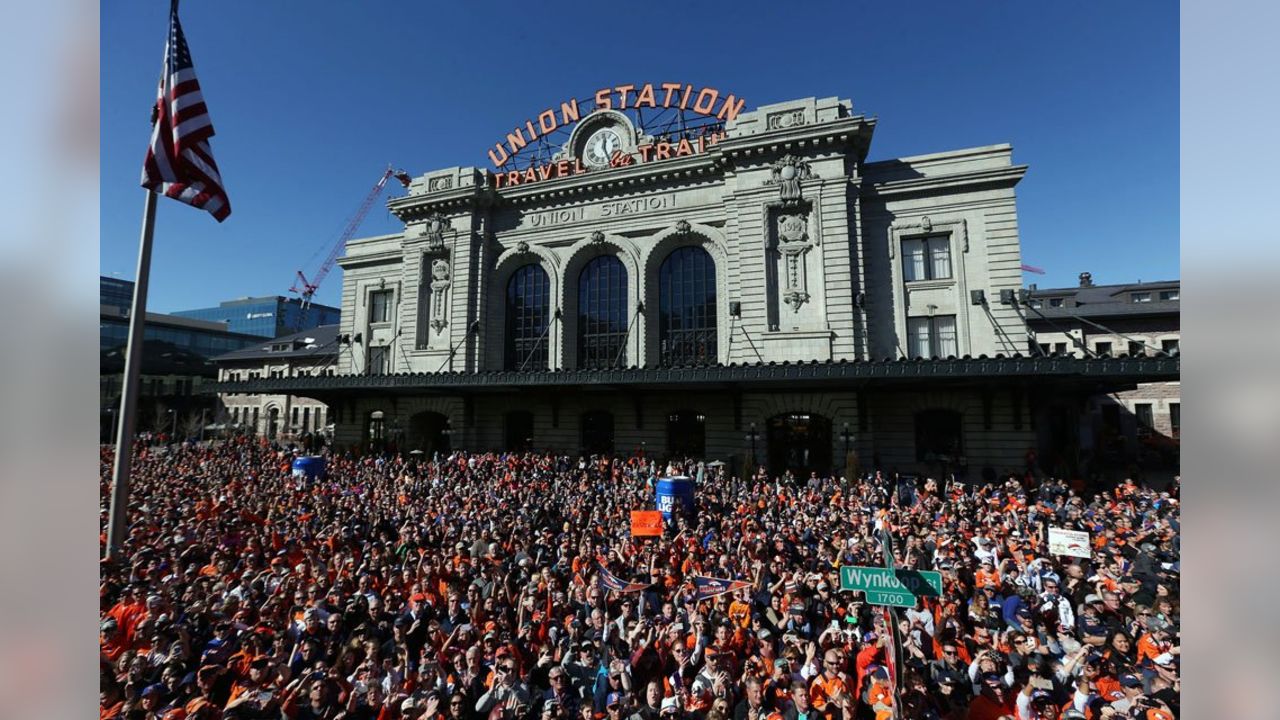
{"x": 179, "y": 162}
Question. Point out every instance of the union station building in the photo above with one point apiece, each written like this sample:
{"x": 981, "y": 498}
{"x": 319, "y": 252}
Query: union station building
{"x": 756, "y": 290}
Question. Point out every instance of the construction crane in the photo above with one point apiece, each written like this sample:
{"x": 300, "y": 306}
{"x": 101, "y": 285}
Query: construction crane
{"x": 306, "y": 289}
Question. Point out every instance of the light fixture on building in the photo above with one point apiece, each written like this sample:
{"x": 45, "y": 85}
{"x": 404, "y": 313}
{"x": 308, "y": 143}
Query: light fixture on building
{"x": 977, "y": 297}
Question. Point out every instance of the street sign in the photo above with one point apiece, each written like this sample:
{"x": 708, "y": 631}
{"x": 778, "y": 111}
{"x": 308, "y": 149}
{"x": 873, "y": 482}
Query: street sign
{"x": 897, "y": 588}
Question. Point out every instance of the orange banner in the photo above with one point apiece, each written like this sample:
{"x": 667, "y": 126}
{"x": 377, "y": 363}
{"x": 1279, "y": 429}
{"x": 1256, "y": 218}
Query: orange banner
{"x": 646, "y": 523}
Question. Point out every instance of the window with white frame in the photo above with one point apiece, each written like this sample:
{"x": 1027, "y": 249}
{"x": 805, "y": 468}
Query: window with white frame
{"x": 926, "y": 258}
{"x": 1170, "y": 346}
{"x": 932, "y": 337}
{"x": 1141, "y": 297}
{"x": 1055, "y": 302}
{"x": 1168, "y": 295}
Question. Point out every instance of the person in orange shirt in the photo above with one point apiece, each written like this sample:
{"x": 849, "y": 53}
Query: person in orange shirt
{"x": 987, "y": 575}
{"x": 832, "y": 686}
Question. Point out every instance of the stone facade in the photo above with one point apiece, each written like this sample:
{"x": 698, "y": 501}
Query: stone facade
{"x": 809, "y": 243}
{"x": 310, "y": 353}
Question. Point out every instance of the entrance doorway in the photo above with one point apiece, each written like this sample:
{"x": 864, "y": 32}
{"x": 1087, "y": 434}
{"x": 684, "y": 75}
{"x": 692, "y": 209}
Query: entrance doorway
{"x": 799, "y": 443}
{"x": 597, "y": 432}
{"x": 519, "y": 431}
{"x": 429, "y": 432}
{"x": 687, "y": 434}
{"x": 273, "y": 423}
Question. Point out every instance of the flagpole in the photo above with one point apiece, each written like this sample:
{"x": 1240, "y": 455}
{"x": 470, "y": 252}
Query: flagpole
{"x": 116, "y": 531}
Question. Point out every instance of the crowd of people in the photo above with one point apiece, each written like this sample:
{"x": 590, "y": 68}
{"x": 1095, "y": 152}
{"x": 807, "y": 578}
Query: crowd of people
{"x": 509, "y": 587}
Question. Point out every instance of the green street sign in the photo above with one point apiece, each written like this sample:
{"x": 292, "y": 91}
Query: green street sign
{"x": 890, "y": 598}
{"x": 898, "y": 588}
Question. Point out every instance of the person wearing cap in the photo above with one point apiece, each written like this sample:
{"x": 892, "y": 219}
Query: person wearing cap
{"x": 992, "y": 700}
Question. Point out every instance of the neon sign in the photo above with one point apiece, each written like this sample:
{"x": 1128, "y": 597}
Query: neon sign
{"x": 704, "y": 101}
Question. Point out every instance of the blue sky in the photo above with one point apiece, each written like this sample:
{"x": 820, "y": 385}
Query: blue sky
{"x": 311, "y": 101}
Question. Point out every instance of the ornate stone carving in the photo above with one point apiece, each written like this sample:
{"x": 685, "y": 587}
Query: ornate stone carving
{"x": 444, "y": 182}
{"x": 440, "y": 282}
{"x": 597, "y": 237}
{"x": 683, "y": 227}
{"x": 522, "y": 247}
{"x": 926, "y": 224}
{"x": 793, "y": 244}
{"x": 785, "y": 119}
{"x": 434, "y": 229}
{"x": 787, "y": 174}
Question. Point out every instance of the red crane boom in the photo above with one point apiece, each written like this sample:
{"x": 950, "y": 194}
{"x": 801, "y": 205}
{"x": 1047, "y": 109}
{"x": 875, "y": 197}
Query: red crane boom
{"x": 306, "y": 289}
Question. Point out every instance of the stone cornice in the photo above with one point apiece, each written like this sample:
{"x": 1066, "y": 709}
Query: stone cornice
{"x": 1120, "y": 370}
{"x": 998, "y": 177}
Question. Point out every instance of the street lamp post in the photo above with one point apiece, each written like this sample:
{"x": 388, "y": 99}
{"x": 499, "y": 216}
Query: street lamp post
{"x": 202, "y": 412}
{"x": 846, "y": 436}
{"x": 173, "y": 425}
{"x": 111, "y": 424}
{"x": 751, "y": 435}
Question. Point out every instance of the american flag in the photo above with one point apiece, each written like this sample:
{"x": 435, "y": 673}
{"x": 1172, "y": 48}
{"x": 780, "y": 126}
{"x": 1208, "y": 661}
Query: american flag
{"x": 179, "y": 162}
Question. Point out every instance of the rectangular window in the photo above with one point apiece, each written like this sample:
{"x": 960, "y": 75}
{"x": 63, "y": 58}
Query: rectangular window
{"x": 235, "y": 415}
{"x": 1175, "y": 420}
{"x": 1146, "y": 420}
{"x": 379, "y": 355}
{"x": 931, "y": 337}
{"x": 423, "y": 333}
{"x": 1102, "y": 348}
{"x": 306, "y": 419}
{"x": 1170, "y": 346}
{"x": 927, "y": 258}
{"x": 1060, "y": 348}
{"x": 1055, "y": 302}
{"x": 255, "y": 420}
{"x": 1136, "y": 348}
{"x": 320, "y": 418}
{"x": 1168, "y": 295}
{"x": 380, "y": 306}
{"x": 1141, "y": 297}
{"x": 295, "y": 415}
{"x": 1037, "y": 303}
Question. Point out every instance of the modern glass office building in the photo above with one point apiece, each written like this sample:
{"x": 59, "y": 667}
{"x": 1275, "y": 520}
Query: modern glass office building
{"x": 270, "y": 316}
{"x": 176, "y": 359}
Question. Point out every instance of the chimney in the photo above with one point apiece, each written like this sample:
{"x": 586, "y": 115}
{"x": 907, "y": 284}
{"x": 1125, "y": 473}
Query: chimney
{"x": 1086, "y": 279}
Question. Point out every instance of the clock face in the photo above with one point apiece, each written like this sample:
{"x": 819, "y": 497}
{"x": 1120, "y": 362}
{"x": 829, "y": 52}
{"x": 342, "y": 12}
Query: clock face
{"x": 600, "y": 147}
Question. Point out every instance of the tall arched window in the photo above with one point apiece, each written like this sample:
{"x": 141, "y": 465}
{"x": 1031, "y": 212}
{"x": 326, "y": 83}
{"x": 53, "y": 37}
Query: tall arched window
{"x": 687, "y": 308}
{"x": 602, "y": 313}
{"x": 528, "y": 313}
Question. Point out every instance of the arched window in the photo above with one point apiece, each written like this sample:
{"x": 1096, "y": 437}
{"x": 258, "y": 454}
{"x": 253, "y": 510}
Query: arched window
{"x": 687, "y": 308}
{"x": 602, "y": 313}
{"x": 528, "y": 313}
